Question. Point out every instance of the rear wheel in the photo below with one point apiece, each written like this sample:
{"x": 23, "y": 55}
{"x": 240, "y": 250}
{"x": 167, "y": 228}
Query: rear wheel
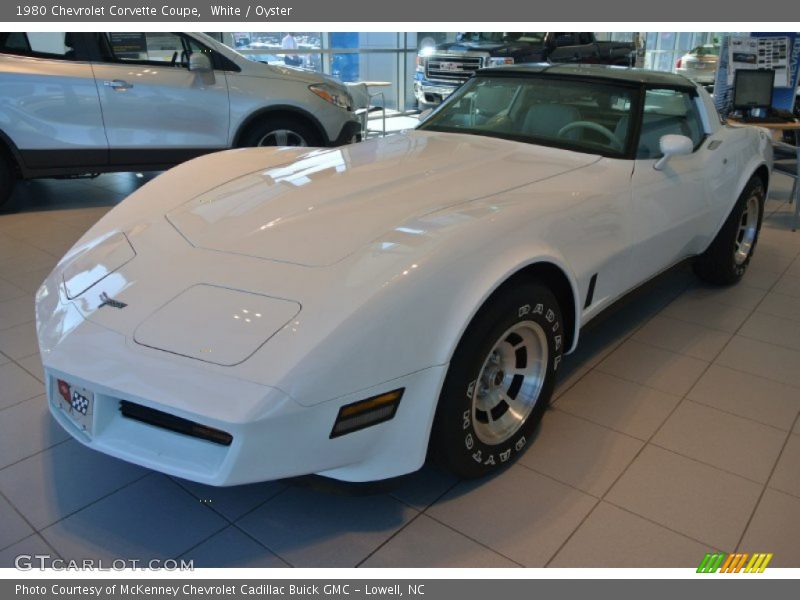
{"x": 499, "y": 382}
{"x": 281, "y": 130}
{"x": 726, "y": 260}
{"x": 7, "y": 180}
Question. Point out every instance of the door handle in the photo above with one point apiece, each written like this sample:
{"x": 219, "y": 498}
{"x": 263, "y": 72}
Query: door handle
{"x": 118, "y": 84}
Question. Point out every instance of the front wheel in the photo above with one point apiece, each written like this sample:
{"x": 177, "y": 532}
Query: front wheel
{"x": 279, "y": 130}
{"x": 499, "y": 382}
{"x": 726, "y": 259}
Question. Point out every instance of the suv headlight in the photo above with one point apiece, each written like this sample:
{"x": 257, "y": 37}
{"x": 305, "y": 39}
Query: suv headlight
{"x": 499, "y": 61}
{"x": 332, "y": 94}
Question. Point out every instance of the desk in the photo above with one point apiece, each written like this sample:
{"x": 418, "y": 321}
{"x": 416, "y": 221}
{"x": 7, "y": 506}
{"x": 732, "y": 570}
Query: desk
{"x": 779, "y": 128}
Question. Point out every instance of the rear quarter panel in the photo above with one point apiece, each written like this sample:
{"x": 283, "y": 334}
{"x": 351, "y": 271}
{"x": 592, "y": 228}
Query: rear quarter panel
{"x": 747, "y": 148}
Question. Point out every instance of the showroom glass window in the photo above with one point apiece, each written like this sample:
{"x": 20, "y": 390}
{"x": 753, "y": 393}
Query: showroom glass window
{"x": 588, "y": 117}
{"x": 296, "y": 48}
{"x": 668, "y": 112}
{"x": 43, "y": 44}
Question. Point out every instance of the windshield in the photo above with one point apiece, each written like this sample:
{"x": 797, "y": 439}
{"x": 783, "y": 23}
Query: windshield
{"x": 585, "y": 116}
{"x": 499, "y": 36}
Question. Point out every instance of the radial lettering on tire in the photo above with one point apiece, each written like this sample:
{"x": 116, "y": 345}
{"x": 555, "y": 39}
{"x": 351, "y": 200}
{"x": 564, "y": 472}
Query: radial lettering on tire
{"x": 504, "y": 366}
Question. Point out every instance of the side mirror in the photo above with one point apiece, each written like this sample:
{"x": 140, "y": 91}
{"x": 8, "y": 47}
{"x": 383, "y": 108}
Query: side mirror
{"x": 673, "y": 145}
{"x": 199, "y": 62}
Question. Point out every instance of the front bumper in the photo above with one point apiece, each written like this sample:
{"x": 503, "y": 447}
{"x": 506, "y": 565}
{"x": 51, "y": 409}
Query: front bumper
{"x": 428, "y": 92}
{"x": 351, "y": 132}
{"x": 273, "y": 435}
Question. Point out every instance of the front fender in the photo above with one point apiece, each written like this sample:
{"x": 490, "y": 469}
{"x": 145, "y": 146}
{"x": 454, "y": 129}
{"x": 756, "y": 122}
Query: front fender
{"x": 504, "y": 267}
{"x": 400, "y": 308}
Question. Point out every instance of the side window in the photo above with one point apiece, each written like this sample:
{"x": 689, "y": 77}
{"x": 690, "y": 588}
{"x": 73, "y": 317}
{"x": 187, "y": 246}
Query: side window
{"x": 585, "y": 38}
{"x": 42, "y": 44}
{"x": 152, "y": 47}
{"x": 158, "y": 49}
{"x": 668, "y": 112}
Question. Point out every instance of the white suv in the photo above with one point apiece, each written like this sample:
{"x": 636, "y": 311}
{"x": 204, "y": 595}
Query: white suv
{"x": 73, "y": 103}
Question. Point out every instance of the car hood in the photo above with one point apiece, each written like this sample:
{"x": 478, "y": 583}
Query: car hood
{"x": 325, "y": 205}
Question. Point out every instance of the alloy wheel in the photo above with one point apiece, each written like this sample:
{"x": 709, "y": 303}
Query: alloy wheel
{"x": 510, "y": 382}
{"x": 282, "y": 137}
{"x": 748, "y": 229}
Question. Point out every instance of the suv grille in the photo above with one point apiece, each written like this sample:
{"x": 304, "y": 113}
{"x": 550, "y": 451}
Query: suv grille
{"x": 441, "y": 67}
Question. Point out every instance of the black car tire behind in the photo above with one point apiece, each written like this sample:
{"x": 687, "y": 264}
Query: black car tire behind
{"x": 454, "y": 442}
{"x": 717, "y": 265}
{"x": 7, "y": 180}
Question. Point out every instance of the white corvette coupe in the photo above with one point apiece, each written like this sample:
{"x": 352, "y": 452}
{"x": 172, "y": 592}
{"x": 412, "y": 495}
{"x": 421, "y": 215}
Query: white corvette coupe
{"x": 263, "y": 313}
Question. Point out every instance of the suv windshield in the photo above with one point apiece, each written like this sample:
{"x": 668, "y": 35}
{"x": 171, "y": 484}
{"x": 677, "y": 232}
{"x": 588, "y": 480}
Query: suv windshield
{"x": 498, "y": 36}
{"x": 592, "y": 117}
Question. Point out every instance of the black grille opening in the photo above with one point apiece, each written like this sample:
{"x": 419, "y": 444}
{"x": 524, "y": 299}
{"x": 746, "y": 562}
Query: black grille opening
{"x": 157, "y": 418}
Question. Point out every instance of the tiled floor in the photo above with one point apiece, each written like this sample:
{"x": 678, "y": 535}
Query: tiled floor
{"x": 674, "y": 431}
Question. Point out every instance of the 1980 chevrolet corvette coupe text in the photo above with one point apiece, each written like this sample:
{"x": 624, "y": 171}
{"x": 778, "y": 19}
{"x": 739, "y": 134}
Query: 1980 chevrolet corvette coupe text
{"x": 263, "y": 313}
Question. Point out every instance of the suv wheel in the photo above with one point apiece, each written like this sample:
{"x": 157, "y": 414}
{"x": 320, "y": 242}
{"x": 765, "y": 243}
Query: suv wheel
{"x": 278, "y": 130}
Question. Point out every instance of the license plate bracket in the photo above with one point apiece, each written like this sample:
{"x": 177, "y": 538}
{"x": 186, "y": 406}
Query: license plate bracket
{"x": 77, "y": 403}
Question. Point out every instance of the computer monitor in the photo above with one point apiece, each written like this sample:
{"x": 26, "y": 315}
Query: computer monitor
{"x": 753, "y": 88}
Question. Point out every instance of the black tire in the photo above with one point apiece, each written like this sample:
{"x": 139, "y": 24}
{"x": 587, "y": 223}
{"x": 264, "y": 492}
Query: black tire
{"x": 267, "y": 126}
{"x": 7, "y": 180}
{"x": 456, "y": 440}
{"x": 726, "y": 259}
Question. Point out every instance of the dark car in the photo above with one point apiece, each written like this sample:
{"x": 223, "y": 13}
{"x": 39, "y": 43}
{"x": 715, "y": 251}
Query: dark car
{"x": 444, "y": 67}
